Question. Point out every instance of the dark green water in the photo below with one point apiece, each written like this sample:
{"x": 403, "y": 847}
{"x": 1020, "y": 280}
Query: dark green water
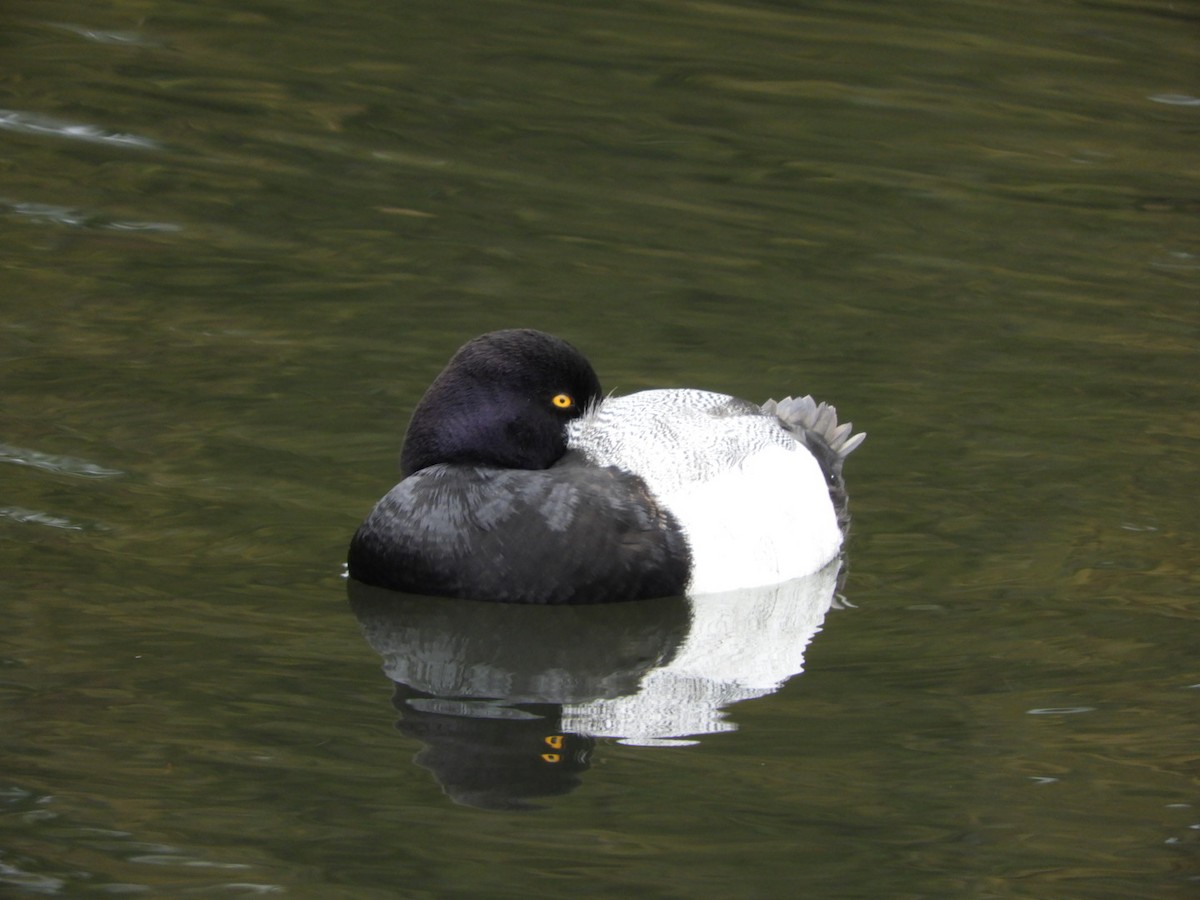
{"x": 238, "y": 241}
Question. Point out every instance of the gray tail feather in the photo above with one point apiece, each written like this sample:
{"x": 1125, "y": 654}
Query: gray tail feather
{"x": 816, "y": 426}
{"x": 806, "y": 418}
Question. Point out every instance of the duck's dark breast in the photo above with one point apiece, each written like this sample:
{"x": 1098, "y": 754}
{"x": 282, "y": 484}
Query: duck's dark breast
{"x": 570, "y": 534}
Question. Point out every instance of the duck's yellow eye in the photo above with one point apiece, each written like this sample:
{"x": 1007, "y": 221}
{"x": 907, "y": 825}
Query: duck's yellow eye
{"x": 563, "y": 401}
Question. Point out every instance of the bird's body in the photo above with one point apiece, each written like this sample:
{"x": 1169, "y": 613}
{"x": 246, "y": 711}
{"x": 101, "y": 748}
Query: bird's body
{"x": 522, "y": 485}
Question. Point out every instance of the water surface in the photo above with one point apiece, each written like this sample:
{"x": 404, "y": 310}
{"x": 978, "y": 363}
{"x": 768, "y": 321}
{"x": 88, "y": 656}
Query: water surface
{"x": 240, "y": 240}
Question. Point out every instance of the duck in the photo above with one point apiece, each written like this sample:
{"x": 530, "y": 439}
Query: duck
{"x": 521, "y": 482}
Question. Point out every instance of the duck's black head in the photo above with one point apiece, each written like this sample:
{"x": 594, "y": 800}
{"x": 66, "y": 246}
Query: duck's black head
{"x": 504, "y": 400}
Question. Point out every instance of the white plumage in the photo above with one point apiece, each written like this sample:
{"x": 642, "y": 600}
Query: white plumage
{"x": 751, "y": 500}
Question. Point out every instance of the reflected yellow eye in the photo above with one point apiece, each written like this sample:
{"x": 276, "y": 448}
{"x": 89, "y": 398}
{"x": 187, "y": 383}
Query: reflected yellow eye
{"x": 563, "y": 401}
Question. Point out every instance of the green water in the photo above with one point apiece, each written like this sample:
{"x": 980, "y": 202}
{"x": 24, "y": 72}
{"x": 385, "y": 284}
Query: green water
{"x": 239, "y": 240}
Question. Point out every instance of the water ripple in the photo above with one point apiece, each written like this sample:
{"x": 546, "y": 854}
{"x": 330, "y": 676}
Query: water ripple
{"x": 35, "y": 123}
{"x": 33, "y": 517}
{"x": 1177, "y": 259}
{"x": 78, "y": 219}
{"x": 181, "y": 859}
{"x": 65, "y": 215}
{"x": 50, "y": 462}
{"x": 122, "y": 38}
{"x": 1175, "y": 99}
{"x": 29, "y": 882}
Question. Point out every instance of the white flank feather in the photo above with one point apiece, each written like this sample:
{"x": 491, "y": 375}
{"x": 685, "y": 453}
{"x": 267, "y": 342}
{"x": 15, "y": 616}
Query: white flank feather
{"x": 751, "y": 500}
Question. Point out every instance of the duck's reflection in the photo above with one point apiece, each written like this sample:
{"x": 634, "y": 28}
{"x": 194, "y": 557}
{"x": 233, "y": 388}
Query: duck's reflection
{"x": 509, "y": 699}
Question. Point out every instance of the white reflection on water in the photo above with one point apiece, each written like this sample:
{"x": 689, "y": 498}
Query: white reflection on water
{"x": 75, "y": 218}
{"x": 99, "y": 36}
{"x": 49, "y": 462}
{"x": 1175, "y": 99}
{"x": 34, "y": 517}
{"x": 741, "y": 645}
{"x": 35, "y": 123}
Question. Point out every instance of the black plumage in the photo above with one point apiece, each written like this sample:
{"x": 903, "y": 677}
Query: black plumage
{"x": 570, "y": 534}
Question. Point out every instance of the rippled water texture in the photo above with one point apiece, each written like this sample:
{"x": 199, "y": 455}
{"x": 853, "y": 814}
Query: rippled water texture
{"x": 239, "y": 240}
